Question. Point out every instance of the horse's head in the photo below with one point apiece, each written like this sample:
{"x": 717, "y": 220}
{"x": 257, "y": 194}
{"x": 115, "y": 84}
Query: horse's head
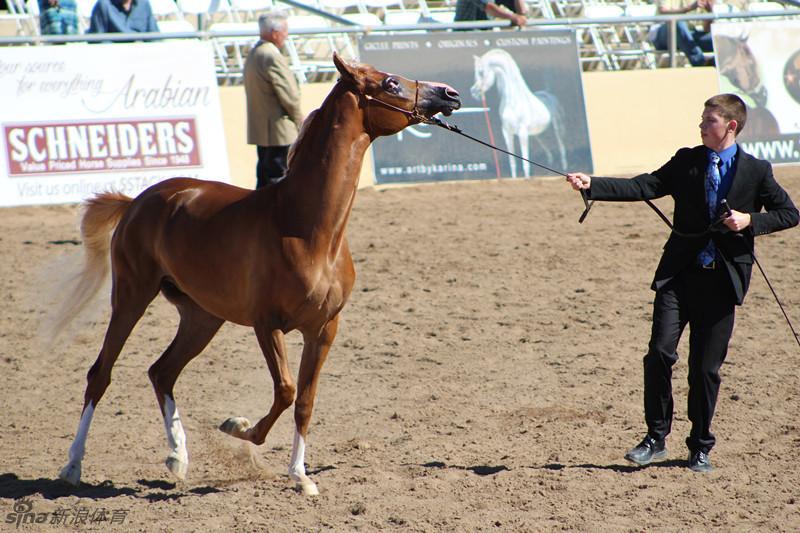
{"x": 394, "y": 102}
{"x": 738, "y": 64}
{"x": 484, "y": 78}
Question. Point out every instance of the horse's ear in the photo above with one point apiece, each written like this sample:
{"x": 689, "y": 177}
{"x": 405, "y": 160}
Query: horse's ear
{"x": 347, "y": 71}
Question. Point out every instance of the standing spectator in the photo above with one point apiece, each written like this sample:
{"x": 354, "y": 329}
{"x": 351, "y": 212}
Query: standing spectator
{"x": 58, "y": 17}
{"x": 513, "y": 10}
{"x": 273, "y": 99}
{"x": 122, "y": 16}
{"x": 692, "y": 42}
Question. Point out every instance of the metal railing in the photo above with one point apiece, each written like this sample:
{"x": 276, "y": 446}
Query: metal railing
{"x": 349, "y": 27}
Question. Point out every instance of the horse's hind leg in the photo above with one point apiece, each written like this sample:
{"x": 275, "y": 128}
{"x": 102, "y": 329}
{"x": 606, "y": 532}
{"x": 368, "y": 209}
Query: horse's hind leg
{"x": 195, "y": 331}
{"x": 524, "y": 148}
{"x": 508, "y": 136}
{"x": 128, "y": 304}
{"x": 315, "y": 352}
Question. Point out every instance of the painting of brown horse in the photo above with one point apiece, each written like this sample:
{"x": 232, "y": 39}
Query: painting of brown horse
{"x": 738, "y": 64}
{"x": 275, "y": 259}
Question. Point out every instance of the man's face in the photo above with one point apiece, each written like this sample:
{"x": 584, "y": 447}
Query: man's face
{"x": 715, "y": 131}
{"x": 278, "y": 37}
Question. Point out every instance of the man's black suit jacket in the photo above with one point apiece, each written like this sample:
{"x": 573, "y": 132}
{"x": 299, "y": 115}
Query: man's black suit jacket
{"x": 683, "y": 177}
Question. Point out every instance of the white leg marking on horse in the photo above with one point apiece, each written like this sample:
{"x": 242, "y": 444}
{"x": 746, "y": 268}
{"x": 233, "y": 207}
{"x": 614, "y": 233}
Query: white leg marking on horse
{"x": 178, "y": 458}
{"x": 297, "y": 468}
{"x": 72, "y": 472}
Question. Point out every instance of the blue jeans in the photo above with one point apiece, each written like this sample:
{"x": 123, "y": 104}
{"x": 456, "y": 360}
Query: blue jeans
{"x": 691, "y": 42}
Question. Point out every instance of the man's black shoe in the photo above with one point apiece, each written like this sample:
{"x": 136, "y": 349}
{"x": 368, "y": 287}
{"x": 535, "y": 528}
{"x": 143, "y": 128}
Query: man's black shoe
{"x": 698, "y": 461}
{"x": 647, "y": 451}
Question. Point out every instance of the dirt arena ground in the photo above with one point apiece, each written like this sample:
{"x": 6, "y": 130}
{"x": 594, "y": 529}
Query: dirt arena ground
{"x": 486, "y": 377}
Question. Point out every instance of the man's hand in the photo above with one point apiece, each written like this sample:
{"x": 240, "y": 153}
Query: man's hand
{"x": 579, "y": 180}
{"x": 737, "y": 221}
{"x": 705, "y": 5}
{"x": 519, "y": 20}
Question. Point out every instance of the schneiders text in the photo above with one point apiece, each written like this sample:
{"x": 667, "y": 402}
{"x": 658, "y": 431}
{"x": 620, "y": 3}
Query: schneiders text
{"x": 44, "y": 148}
{"x": 92, "y": 141}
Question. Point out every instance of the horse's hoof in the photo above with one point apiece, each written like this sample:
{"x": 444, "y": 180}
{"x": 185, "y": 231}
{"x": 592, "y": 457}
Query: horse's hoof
{"x": 308, "y": 488}
{"x": 177, "y": 467}
{"x": 236, "y": 427}
{"x": 71, "y": 474}
{"x": 304, "y": 484}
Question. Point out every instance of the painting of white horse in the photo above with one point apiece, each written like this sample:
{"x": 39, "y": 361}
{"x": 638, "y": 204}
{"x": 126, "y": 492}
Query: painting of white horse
{"x": 524, "y": 115}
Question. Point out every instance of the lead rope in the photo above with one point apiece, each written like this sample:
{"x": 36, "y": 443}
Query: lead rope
{"x": 452, "y": 127}
{"x": 588, "y": 205}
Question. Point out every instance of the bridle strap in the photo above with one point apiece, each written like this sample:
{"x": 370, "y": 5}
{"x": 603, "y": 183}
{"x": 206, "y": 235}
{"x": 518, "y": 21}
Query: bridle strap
{"x": 412, "y": 115}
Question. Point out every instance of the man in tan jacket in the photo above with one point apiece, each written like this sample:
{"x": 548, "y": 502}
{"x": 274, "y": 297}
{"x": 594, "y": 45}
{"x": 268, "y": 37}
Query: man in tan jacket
{"x": 273, "y": 99}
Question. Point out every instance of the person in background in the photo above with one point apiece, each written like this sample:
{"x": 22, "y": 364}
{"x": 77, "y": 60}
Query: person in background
{"x": 513, "y": 10}
{"x": 58, "y": 17}
{"x": 273, "y": 99}
{"x": 122, "y": 16}
{"x": 705, "y": 268}
{"x": 692, "y": 42}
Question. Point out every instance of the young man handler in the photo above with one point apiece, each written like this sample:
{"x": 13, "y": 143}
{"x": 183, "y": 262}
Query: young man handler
{"x": 703, "y": 275}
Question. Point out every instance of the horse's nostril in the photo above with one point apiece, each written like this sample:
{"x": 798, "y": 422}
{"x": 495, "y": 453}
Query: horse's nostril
{"x": 451, "y": 93}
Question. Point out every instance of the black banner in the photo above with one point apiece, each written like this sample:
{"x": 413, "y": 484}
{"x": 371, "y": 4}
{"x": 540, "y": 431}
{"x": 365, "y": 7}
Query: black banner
{"x": 520, "y": 90}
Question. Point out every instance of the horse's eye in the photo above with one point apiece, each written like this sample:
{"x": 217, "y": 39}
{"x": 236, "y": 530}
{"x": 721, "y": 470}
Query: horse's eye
{"x": 391, "y": 85}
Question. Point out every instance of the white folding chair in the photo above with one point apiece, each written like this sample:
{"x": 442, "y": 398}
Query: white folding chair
{"x": 29, "y": 14}
{"x": 175, "y": 26}
{"x": 597, "y": 41}
{"x": 337, "y": 7}
{"x": 165, "y": 10}
{"x": 25, "y": 16}
{"x": 638, "y": 33}
{"x": 85, "y": 8}
{"x": 231, "y": 51}
{"x": 540, "y": 8}
{"x": 368, "y": 20}
{"x": 310, "y": 53}
{"x": 765, "y": 7}
{"x": 207, "y": 11}
{"x": 401, "y": 18}
{"x": 246, "y": 10}
{"x": 567, "y": 8}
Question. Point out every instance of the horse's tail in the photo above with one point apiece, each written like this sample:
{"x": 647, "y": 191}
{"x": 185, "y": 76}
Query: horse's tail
{"x": 101, "y": 215}
{"x": 553, "y": 105}
{"x": 557, "y": 118}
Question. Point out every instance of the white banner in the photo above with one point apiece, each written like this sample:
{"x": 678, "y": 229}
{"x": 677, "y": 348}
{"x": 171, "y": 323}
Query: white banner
{"x": 760, "y": 61}
{"x": 78, "y": 119}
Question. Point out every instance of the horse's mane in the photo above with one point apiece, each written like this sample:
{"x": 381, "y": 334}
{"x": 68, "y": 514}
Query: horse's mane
{"x": 508, "y": 58}
{"x": 300, "y": 135}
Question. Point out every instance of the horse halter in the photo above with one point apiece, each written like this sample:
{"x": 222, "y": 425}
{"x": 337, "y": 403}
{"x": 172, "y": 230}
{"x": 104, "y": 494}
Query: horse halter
{"x": 412, "y": 115}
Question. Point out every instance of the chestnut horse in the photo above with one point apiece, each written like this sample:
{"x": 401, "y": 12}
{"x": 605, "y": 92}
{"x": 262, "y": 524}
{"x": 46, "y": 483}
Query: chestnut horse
{"x": 275, "y": 259}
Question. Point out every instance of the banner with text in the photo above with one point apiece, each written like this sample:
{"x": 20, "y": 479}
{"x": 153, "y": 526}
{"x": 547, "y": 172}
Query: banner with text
{"x": 80, "y": 119}
{"x": 760, "y": 61}
{"x": 520, "y": 91}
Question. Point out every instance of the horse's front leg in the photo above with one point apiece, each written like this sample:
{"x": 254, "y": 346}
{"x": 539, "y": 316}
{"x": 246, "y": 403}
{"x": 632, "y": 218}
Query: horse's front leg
{"x": 274, "y": 349}
{"x": 508, "y": 136}
{"x": 315, "y": 351}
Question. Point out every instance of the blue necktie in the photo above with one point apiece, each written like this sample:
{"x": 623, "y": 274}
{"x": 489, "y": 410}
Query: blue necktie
{"x": 712, "y": 185}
